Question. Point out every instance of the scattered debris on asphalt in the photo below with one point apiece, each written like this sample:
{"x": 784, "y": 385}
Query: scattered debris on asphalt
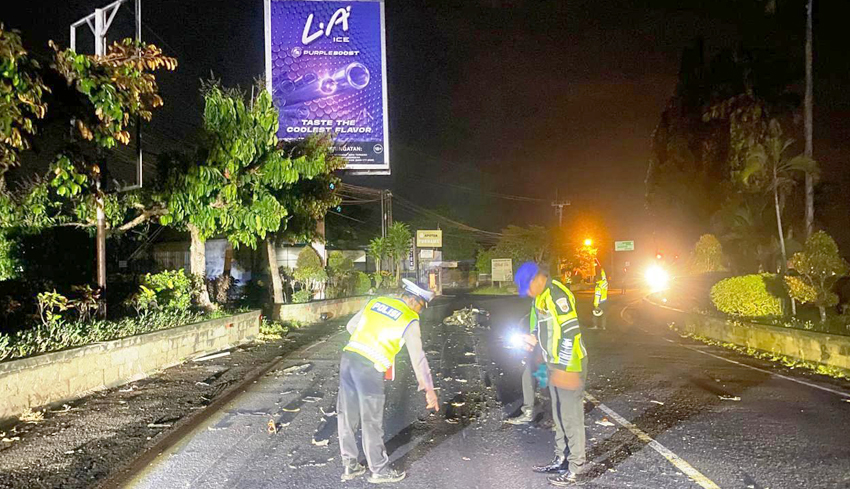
{"x": 332, "y": 411}
{"x": 657, "y": 402}
{"x": 272, "y": 427}
{"x": 470, "y": 317}
{"x": 730, "y": 398}
{"x": 32, "y": 417}
{"x": 320, "y": 443}
{"x": 604, "y": 422}
{"x": 212, "y": 357}
{"x": 297, "y": 369}
{"x": 159, "y": 425}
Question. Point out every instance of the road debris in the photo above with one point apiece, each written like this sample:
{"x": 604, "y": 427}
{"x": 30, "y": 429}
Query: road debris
{"x": 730, "y": 398}
{"x": 32, "y": 417}
{"x": 212, "y": 357}
{"x": 128, "y": 389}
{"x": 297, "y": 369}
{"x": 159, "y": 425}
{"x": 332, "y": 411}
{"x": 466, "y": 458}
{"x": 469, "y": 317}
{"x": 604, "y": 422}
{"x": 272, "y": 427}
{"x": 657, "y": 402}
{"x": 290, "y": 410}
{"x": 320, "y": 443}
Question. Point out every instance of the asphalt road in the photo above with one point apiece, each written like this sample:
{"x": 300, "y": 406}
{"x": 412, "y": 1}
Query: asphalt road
{"x": 664, "y": 413}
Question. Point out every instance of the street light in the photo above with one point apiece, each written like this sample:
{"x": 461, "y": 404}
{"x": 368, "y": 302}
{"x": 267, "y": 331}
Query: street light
{"x": 588, "y": 242}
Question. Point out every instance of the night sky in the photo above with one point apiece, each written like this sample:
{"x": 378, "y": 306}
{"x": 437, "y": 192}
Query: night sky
{"x": 515, "y": 97}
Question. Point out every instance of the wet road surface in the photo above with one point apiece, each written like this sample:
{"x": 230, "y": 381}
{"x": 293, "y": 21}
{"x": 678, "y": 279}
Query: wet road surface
{"x": 666, "y": 413}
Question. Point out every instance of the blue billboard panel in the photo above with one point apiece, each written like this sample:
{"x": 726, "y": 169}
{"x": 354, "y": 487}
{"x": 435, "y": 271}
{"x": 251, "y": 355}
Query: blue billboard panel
{"x": 326, "y": 70}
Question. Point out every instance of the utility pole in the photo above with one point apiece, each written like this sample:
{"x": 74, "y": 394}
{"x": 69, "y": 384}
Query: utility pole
{"x": 809, "y": 101}
{"x": 99, "y": 23}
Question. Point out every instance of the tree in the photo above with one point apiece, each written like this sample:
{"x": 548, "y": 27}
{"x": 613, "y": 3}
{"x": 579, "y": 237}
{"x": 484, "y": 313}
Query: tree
{"x": 22, "y": 93}
{"x": 340, "y": 269}
{"x": 768, "y": 161}
{"x": 398, "y": 246}
{"x": 524, "y": 244}
{"x": 820, "y": 265}
{"x": 807, "y": 116}
{"x": 233, "y": 186}
{"x": 308, "y": 199}
{"x": 707, "y": 256}
{"x": 379, "y": 250}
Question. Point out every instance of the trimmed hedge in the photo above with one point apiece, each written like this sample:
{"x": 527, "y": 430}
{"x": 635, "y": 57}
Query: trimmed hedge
{"x": 749, "y": 295}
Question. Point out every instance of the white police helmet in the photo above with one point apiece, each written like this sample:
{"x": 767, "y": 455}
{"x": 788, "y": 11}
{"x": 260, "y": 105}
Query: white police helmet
{"x": 413, "y": 289}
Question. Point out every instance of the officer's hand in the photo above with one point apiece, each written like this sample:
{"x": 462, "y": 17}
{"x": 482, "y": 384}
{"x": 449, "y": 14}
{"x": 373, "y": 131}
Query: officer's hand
{"x": 433, "y": 402}
{"x": 530, "y": 342}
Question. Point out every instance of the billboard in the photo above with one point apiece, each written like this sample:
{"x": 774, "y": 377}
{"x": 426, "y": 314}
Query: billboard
{"x": 326, "y": 71}
{"x": 502, "y": 269}
{"x": 429, "y": 238}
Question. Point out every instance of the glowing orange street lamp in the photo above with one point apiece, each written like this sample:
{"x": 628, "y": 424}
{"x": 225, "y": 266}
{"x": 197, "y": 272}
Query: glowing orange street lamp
{"x": 588, "y": 242}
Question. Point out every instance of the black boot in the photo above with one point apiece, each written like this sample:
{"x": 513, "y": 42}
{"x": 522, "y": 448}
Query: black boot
{"x": 558, "y": 466}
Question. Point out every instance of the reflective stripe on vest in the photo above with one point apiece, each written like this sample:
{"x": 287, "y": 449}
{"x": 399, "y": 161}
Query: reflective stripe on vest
{"x": 380, "y": 335}
{"x": 569, "y": 320}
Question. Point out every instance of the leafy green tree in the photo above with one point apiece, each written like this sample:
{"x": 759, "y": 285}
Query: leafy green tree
{"x": 483, "y": 261}
{"x": 767, "y": 162}
{"x": 820, "y": 265}
{"x": 236, "y": 185}
{"x": 524, "y": 244}
{"x": 22, "y": 92}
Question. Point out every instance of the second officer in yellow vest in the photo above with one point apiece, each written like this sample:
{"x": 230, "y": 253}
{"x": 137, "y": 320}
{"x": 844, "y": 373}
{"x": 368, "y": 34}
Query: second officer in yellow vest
{"x": 600, "y": 299}
{"x": 378, "y": 332}
{"x": 556, "y": 329}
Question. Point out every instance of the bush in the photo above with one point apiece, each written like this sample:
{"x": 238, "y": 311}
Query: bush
{"x": 820, "y": 266}
{"x": 58, "y": 334}
{"x": 748, "y": 295}
{"x": 170, "y": 290}
{"x": 707, "y": 256}
{"x": 302, "y": 296}
{"x": 362, "y": 283}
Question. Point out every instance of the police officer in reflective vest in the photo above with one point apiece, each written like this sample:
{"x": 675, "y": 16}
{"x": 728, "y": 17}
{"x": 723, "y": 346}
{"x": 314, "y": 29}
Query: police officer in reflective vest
{"x": 600, "y": 300}
{"x": 559, "y": 336}
{"x": 378, "y": 333}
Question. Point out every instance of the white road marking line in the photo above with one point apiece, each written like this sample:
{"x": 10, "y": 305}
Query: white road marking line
{"x": 665, "y": 452}
{"x": 785, "y": 377}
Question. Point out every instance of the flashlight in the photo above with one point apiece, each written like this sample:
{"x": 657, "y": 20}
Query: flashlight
{"x": 657, "y": 278}
{"x": 517, "y": 340}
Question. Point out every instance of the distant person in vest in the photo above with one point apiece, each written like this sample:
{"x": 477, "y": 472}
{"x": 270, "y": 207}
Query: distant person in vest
{"x": 377, "y": 334}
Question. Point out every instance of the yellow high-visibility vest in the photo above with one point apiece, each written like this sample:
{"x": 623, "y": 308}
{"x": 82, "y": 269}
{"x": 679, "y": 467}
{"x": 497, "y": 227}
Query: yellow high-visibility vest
{"x": 560, "y": 321}
{"x": 601, "y": 291}
{"x": 380, "y": 335}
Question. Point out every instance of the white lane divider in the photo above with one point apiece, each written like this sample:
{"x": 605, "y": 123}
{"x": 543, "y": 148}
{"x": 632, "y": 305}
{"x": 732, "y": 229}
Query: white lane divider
{"x": 665, "y": 452}
{"x": 843, "y": 394}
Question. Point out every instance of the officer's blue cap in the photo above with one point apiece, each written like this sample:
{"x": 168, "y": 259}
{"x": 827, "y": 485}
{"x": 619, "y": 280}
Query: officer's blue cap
{"x": 524, "y": 275}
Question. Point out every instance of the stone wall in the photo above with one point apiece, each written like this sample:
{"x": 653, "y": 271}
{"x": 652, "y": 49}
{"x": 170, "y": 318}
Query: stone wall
{"x": 52, "y": 378}
{"x": 826, "y": 349}
{"x": 311, "y": 312}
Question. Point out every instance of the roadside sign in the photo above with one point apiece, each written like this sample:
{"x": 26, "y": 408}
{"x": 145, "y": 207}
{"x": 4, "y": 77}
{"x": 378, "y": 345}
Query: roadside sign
{"x": 429, "y": 238}
{"x": 624, "y": 245}
{"x": 502, "y": 269}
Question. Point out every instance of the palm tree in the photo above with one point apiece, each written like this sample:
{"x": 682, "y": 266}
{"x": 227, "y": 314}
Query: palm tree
{"x": 399, "y": 237}
{"x": 768, "y": 159}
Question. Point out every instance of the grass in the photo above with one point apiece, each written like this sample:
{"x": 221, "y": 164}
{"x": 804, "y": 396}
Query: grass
{"x": 785, "y": 360}
{"x": 275, "y": 330}
{"x": 492, "y": 290}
